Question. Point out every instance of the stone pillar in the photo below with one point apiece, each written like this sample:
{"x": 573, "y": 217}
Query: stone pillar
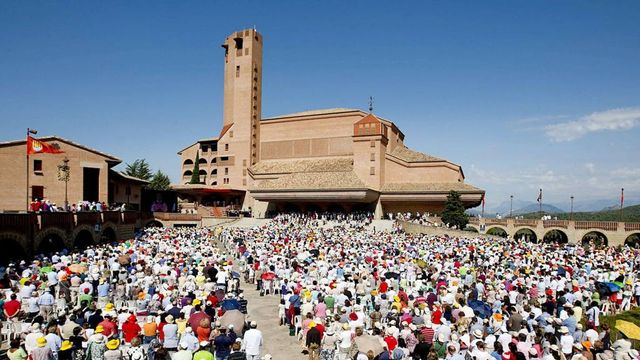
{"x": 378, "y": 214}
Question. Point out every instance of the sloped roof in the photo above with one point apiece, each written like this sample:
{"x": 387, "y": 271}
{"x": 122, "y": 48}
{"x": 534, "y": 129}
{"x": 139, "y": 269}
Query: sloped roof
{"x": 300, "y": 166}
{"x": 329, "y": 180}
{"x": 129, "y": 177}
{"x": 312, "y": 112}
{"x": 408, "y": 155}
{"x": 110, "y": 157}
{"x": 429, "y": 187}
{"x": 224, "y": 130}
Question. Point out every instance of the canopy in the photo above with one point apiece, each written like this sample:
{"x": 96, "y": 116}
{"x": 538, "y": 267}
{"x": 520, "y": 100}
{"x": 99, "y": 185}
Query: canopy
{"x": 631, "y": 330}
{"x": 234, "y": 317}
{"x": 482, "y": 309}
{"x": 268, "y": 276}
{"x": 230, "y": 304}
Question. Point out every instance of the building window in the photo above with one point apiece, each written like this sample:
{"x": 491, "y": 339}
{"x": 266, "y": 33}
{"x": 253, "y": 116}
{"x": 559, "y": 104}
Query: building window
{"x": 231, "y": 133}
{"x": 205, "y": 149}
{"x": 373, "y": 156}
{"x": 244, "y": 162}
{"x": 373, "y": 143}
{"x": 224, "y": 158}
{"x": 237, "y": 70}
{"x": 37, "y": 192}
{"x": 37, "y": 166}
{"x": 244, "y": 182}
{"x": 226, "y": 147}
{"x": 244, "y": 172}
{"x": 226, "y": 171}
{"x": 372, "y": 170}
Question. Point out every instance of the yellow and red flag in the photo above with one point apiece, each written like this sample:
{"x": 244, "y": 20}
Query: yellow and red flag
{"x": 35, "y": 146}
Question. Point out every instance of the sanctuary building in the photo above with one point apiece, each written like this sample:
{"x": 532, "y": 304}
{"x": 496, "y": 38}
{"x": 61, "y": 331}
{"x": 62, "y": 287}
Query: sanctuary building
{"x": 322, "y": 160}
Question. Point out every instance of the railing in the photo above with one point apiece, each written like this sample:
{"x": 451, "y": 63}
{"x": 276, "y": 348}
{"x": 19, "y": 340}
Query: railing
{"x": 632, "y": 227}
{"x": 474, "y": 221}
{"x": 555, "y": 223}
{"x": 112, "y": 216}
{"x": 130, "y": 217}
{"x": 495, "y": 221}
{"x": 64, "y": 220}
{"x": 177, "y": 216}
{"x": 88, "y": 218}
{"x": 526, "y": 222}
{"x": 19, "y": 222}
{"x": 602, "y": 225}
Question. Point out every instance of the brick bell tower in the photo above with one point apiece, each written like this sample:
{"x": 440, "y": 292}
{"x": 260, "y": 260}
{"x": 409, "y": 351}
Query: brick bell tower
{"x": 242, "y": 100}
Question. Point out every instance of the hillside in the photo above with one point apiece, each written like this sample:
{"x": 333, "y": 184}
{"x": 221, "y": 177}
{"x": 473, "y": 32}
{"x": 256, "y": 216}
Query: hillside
{"x": 630, "y": 214}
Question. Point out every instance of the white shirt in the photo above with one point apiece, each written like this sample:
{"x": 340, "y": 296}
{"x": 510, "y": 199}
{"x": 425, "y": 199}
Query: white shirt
{"x": 252, "y": 341}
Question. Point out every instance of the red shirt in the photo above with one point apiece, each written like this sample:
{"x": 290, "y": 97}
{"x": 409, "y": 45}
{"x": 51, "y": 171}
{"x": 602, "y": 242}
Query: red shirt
{"x": 130, "y": 330}
{"x": 109, "y": 328}
{"x": 391, "y": 342}
{"x": 12, "y": 307}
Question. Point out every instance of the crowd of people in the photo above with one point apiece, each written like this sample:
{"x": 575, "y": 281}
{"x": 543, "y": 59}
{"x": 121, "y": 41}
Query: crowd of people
{"x": 167, "y": 294}
{"x": 42, "y": 205}
{"x": 353, "y": 293}
{"x": 345, "y": 289}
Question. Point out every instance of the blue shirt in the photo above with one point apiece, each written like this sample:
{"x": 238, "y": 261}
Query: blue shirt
{"x": 103, "y": 290}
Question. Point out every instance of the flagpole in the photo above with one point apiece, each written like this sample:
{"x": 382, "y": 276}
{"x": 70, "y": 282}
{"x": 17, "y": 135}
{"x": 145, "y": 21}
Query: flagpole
{"x": 621, "y": 204}
{"x": 29, "y": 131}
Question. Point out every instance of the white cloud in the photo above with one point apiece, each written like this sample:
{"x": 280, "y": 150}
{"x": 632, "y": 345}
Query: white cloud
{"x": 616, "y": 119}
{"x": 591, "y": 168}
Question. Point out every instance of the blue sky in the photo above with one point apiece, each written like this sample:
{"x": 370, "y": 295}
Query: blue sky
{"x": 522, "y": 94}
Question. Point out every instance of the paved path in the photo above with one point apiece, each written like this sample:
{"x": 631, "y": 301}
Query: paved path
{"x": 264, "y": 310}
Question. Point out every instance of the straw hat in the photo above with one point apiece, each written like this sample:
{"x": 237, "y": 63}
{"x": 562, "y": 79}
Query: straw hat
{"x": 169, "y": 319}
{"x": 108, "y": 307}
{"x": 66, "y": 345}
{"x": 42, "y": 341}
{"x": 99, "y": 329}
{"x": 113, "y": 344}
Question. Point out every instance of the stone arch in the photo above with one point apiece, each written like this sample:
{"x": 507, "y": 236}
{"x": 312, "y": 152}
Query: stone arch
{"x": 83, "y": 236}
{"x": 202, "y": 161}
{"x": 108, "y": 234}
{"x": 153, "y": 223}
{"x": 472, "y": 228}
{"x": 555, "y": 236}
{"x": 633, "y": 240}
{"x": 497, "y": 230}
{"x": 214, "y": 172}
{"x": 598, "y": 238}
{"x": 187, "y": 162}
{"x": 528, "y": 233}
{"x": 14, "y": 247}
{"x": 187, "y": 173}
{"x": 49, "y": 239}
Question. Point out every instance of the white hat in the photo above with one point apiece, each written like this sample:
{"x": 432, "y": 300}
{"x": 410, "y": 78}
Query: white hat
{"x": 478, "y": 333}
{"x": 563, "y": 330}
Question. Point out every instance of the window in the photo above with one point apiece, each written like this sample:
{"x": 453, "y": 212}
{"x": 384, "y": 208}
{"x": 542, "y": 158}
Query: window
{"x": 205, "y": 148}
{"x": 372, "y": 171}
{"x": 373, "y": 143}
{"x": 37, "y": 192}
{"x": 239, "y": 43}
{"x": 224, "y": 158}
{"x": 237, "y": 70}
{"x": 231, "y": 133}
{"x": 244, "y": 182}
{"x": 37, "y": 166}
{"x": 244, "y": 162}
{"x": 226, "y": 171}
{"x": 244, "y": 172}
{"x": 226, "y": 147}
{"x": 373, "y": 156}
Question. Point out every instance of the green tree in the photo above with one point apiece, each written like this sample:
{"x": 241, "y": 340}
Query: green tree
{"x": 195, "y": 177}
{"x": 453, "y": 213}
{"x": 160, "y": 181}
{"x": 140, "y": 169}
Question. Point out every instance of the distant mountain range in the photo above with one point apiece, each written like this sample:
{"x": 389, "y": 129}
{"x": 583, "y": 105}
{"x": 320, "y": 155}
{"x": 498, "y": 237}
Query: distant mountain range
{"x": 526, "y": 207}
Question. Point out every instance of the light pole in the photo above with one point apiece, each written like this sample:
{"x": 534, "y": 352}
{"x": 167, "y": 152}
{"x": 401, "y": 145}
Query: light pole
{"x": 511, "y": 207}
{"x": 571, "y": 216}
{"x": 64, "y": 174}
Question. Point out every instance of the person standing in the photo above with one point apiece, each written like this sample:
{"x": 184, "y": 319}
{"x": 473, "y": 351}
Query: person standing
{"x": 253, "y": 341}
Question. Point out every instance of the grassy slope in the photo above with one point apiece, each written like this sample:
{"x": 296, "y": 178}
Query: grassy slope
{"x": 630, "y": 214}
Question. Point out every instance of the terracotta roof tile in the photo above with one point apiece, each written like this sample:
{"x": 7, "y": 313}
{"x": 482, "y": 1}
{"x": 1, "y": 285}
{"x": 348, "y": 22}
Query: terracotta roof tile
{"x": 408, "y": 155}
{"x": 314, "y": 181}
{"x": 298, "y": 166}
{"x": 429, "y": 187}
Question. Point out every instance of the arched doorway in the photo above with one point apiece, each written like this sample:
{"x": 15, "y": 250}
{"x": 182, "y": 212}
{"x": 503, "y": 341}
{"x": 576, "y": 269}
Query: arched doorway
{"x": 108, "y": 235}
{"x": 633, "y": 241}
{"x": 12, "y": 251}
{"x": 497, "y": 231}
{"x": 335, "y": 208}
{"x": 83, "y": 240}
{"x": 290, "y": 208}
{"x": 470, "y": 229}
{"x": 313, "y": 208}
{"x": 526, "y": 235}
{"x": 595, "y": 238}
{"x": 50, "y": 244}
{"x": 555, "y": 237}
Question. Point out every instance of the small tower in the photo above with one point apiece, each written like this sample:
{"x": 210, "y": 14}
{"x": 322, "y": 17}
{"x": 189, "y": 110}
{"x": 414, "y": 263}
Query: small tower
{"x": 243, "y": 94}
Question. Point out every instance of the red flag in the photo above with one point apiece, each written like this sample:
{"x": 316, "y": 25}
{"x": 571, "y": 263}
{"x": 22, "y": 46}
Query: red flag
{"x": 539, "y": 196}
{"x": 35, "y": 146}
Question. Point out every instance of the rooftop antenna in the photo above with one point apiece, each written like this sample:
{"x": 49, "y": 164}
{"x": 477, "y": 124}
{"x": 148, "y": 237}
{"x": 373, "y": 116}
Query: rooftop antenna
{"x": 370, "y": 104}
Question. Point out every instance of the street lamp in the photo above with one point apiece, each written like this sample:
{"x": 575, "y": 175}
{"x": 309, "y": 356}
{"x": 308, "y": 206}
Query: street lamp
{"x": 511, "y": 207}
{"x": 64, "y": 174}
{"x": 571, "y": 216}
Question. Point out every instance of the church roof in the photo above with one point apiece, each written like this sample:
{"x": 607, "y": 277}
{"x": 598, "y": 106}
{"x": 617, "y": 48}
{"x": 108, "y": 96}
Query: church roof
{"x": 302, "y": 166}
{"x": 429, "y": 187}
{"x": 408, "y": 155}
{"x": 312, "y": 112}
{"x": 328, "y": 180}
